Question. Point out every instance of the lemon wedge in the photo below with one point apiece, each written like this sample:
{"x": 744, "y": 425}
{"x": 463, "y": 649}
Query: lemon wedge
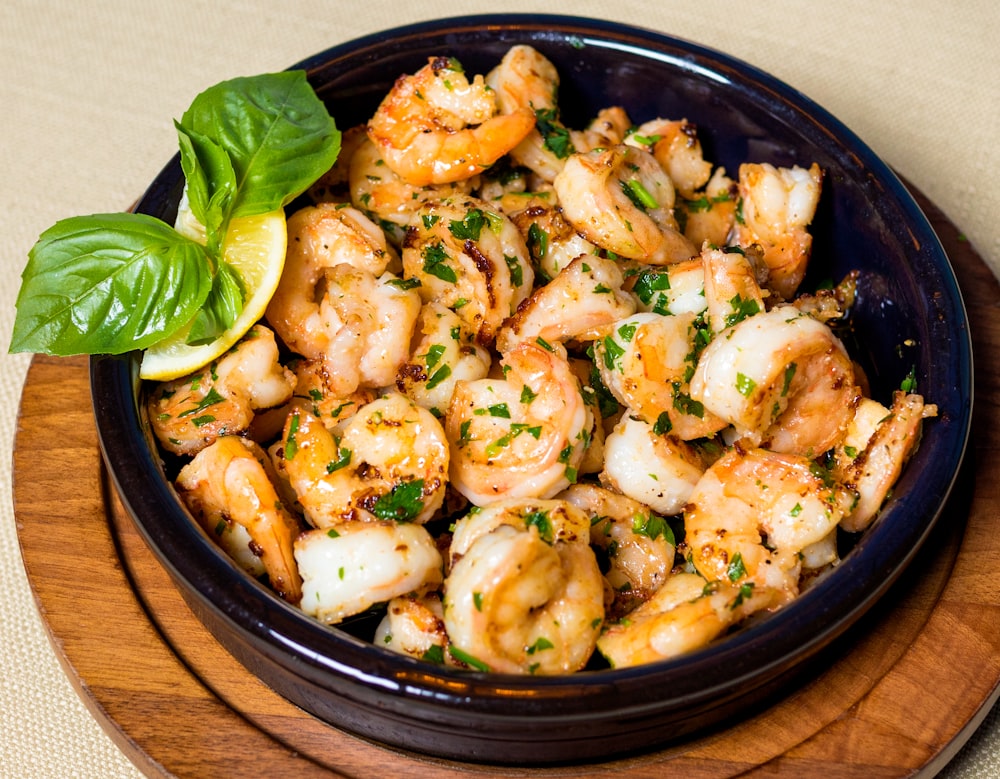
{"x": 255, "y": 246}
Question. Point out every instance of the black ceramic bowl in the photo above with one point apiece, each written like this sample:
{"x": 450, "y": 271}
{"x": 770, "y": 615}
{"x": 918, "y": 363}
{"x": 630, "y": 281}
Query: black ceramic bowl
{"x": 908, "y": 316}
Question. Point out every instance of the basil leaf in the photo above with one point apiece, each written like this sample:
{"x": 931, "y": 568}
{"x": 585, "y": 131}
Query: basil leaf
{"x": 107, "y": 284}
{"x": 276, "y": 131}
{"x": 221, "y": 308}
{"x": 211, "y": 183}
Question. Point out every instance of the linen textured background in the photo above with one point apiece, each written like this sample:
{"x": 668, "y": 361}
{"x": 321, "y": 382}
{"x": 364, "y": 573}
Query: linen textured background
{"x": 88, "y": 92}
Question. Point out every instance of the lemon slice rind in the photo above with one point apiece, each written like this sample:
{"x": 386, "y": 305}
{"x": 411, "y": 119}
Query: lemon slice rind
{"x": 255, "y": 246}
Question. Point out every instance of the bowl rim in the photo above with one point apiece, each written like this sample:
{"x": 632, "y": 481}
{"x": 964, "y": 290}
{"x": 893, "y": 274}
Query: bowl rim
{"x": 250, "y": 608}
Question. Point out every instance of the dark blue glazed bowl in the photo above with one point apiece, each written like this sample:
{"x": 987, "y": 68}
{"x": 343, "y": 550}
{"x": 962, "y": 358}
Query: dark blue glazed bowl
{"x": 908, "y": 317}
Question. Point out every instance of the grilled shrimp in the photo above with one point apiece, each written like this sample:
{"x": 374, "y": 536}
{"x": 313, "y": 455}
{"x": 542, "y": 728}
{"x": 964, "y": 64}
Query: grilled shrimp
{"x": 871, "y": 456}
{"x": 414, "y": 625}
{"x": 782, "y": 379}
{"x": 471, "y": 259}
{"x": 732, "y": 286}
{"x": 777, "y": 205}
{"x": 555, "y": 519}
{"x": 523, "y": 435}
{"x": 753, "y": 512}
{"x": 672, "y": 289}
{"x": 314, "y": 389}
{"x": 684, "y": 615}
{"x": 610, "y": 127}
{"x": 585, "y": 297}
{"x": 649, "y": 466}
{"x": 525, "y": 594}
{"x": 386, "y": 197}
{"x": 436, "y": 126}
{"x": 524, "y": 80}
{"x": 708, "y": 216}
{"x": 442, "y": 353}
{"x": 552, "y": 241}
{"x": 334, "y": 185}
{"x": 645, "y": 361}
{"x": 229, "y": 488}
{"x": 622, "y": 200}
{"x": 388, "y": 461}
{"x": 355, "y": 565}
{"x": 338, "y": 303}
{"x": 675, "y": 145}
{"x": 189, "y": 413}
{"x": 638, "y": 543}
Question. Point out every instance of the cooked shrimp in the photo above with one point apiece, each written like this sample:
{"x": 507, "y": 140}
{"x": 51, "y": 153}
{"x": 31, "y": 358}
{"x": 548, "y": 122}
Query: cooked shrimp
{"x": 506, "y": 187}
{"x": 435, "y": 126}
{"x": 189, "y": 413}
{"x": 228, "y": 488}
{"x": 585, "y": 297}
{"x": 871, "y": 457}
{"x": 586, "y": 374}
{"x": 708, "y": 216}
{"x": 314, "y": 389}
{"x": 609, "y": 128}
{"x": 732, "y": 291}
{"x": 820, "y": 555}
{"x": 552, "y": 241}
{"x": 337, "y": 301}
{"x": 521, "y": 599}
{"x": 777, "y": 205}
{"x": 523, "y": 435}
{"x": 524, "y": 80}
{"x": 684, "y": 615}
{"x": 654, "y": 468}
{"x": 443, "y": 352}
{"x": 390, "y": 461}
{"x": 675, "y": 145}
{"x": 782, "y": 379}
{"x": 414, "y": 625}
{"x": 330, "y": 234}
{"x": 387, "y": 198}
{"x": 828, "y": 305}
{"x": 355, "y": 565}
{"x": 470, "y": 258}
{"x": 753, "y": 512}
{"x": 672, "y": 289}
{"x": 360, "y": 328}
{"x": 645, "y": 361}
{"x": 555, "y": 520}
{"x": 622, "y": 200}
{"x": 638, "y": 543}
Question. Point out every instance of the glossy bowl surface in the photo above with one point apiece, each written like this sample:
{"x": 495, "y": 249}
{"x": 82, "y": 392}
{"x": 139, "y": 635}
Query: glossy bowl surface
{"x": 908, "y": 317}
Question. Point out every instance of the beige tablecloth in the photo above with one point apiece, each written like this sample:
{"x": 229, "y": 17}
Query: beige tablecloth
{"x": 88, "y": 94}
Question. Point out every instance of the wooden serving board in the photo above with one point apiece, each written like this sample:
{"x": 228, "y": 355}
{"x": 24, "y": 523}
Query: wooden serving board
{"x": 897, "y": 696}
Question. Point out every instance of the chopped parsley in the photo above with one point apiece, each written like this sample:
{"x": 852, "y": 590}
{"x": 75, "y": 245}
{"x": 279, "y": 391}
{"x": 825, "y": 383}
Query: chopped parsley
{"x": 469, "y": 228}
{"x": 612, "y": 353}
{"x": 436, "y": 263}
{"x": 540, "y": 520}
{"x": 402, "y": 504}
{"x": 745, "y": 385}
{"x": 742, "y": 308}
{"x": 211, "y": 398}
{"x": 555, "y": 137}
{"x": 641, "y": 197}
{"x": 736, "y": 570}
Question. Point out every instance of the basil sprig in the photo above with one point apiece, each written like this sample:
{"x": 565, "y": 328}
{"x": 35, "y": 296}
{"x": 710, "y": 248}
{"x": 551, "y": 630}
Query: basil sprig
{"x": 110, "y": 283}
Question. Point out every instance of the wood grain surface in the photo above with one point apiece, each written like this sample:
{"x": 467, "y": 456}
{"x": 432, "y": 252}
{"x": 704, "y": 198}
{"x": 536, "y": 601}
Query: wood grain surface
{"x": 897, "y": 696}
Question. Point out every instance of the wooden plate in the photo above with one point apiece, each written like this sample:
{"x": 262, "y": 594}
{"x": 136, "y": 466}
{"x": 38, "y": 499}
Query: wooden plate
{"x": 897, "y": 696}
